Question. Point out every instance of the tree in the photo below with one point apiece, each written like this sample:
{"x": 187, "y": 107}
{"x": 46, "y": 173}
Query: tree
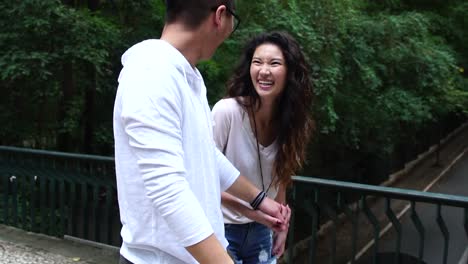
{"x": 48, "y": 50}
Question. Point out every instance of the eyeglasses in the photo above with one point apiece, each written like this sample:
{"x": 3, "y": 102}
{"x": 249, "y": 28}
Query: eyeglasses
{"x": 236, "y": 17}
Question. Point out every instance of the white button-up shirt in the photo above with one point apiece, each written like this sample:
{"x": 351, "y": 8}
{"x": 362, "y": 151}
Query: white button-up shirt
{"x": 169, "y": 171}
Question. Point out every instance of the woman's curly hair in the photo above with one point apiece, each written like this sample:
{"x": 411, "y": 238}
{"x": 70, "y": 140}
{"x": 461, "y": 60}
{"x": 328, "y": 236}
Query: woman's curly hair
{"x": 292, "y": 116}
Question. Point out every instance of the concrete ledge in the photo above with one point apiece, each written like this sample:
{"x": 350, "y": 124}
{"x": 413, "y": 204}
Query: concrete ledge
{"x": 464, "y": 258}
{"x": 91, "y": 243}
{"x": 74, "y": 250}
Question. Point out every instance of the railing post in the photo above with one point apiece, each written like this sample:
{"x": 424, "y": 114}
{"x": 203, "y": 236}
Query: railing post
{"x": 6, "y": 183}
{"x": 353, "y": 216}
{"x": 445, "y": 232}
{"x": 72, "y": 223}
{"x": 290, "y": 259}
{"x": 108, "y": 220}
{"x": 62, "y": 215}
{"x": 24, "y": 188}
{"x": 95, "y": 212}
{"x": 396, "y": 224}
{"x": 52, "y": 207}
{"x": 43, "y": 201}
{"x": 84, "y": 215}
{"x": 420, "y": 228}
{"x": 315, "y": 223}
{"x": 466, "y": 221}
{"x": 375, "y": 224}
{"x": 14, "y": 200}
{"x": 32, "y": 202}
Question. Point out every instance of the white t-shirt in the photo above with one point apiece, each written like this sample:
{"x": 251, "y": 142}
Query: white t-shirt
{"x": 170, "y": 174}
{"x": 235, "y": 137}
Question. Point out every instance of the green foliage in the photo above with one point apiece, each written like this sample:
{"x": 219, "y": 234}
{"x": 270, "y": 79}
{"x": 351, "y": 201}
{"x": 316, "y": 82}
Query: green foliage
{"x": 382, "y": 70}
{"x": 397, "y": 72}
{"x": 45, "y": 36}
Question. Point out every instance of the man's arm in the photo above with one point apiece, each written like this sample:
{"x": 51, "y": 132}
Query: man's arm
{"x": 243, "y": 189}
{"x": 152, "y": 121}
{"x": 256, "y": 215}
{"x": 209, "y": 251}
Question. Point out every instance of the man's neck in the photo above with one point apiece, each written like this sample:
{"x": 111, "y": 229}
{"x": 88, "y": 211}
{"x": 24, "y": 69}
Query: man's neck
{"x": 186, "y": 41}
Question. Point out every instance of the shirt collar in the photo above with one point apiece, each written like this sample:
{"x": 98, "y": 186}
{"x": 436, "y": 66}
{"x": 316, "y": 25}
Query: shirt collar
{"x": 182, "y": 61}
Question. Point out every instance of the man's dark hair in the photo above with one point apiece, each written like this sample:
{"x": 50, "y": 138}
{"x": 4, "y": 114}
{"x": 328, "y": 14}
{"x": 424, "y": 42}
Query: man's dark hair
{"x": 192, "y": 12}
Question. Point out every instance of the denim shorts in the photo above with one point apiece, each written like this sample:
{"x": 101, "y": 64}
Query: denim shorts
{"x": 250, "y": 243}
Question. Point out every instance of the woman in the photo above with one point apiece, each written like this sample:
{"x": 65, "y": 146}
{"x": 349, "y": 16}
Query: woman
{"x": 263, "y": 127}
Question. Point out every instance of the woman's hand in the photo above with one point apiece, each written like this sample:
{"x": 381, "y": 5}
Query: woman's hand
{"x": 279, "y": 239}
{"x": 265, "y": 219}
{"x": 279, "y": 242}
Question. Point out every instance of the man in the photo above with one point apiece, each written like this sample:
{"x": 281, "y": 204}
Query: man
{"x": 170, "y": 175}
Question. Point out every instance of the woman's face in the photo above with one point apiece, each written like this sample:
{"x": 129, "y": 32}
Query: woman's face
{"x": 268, "y": 71}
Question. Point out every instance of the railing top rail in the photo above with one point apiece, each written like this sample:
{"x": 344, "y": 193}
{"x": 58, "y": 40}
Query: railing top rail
{"x": 391, "y": 192}
{"x": 56, "y": 154}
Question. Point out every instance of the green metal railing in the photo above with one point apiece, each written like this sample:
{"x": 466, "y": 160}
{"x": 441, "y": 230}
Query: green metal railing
{"x": 322, "y": 191}
{"x": 59, "y": 194}
{"x": 62, "y": 194}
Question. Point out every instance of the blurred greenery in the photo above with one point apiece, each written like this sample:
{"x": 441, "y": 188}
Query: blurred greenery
{"x": 389, "y": 76}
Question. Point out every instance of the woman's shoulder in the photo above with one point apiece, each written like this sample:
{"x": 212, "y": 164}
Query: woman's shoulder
{"x": 227, "y": 105}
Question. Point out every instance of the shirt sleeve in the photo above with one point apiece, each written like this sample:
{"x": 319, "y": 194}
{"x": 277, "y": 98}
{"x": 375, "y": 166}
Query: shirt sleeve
{"x": 152, "y": 115}
{"x": 222, "y": 119}
{"x": 228, "y": 173}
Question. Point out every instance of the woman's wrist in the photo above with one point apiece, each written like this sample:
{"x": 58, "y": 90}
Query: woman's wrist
{"x": 258, "y": 200}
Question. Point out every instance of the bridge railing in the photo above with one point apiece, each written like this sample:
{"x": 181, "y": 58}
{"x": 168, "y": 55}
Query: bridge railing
{"x": 69, "y": 194}
{"x": 59, "y": 194}
{"x": 375, "y": 207}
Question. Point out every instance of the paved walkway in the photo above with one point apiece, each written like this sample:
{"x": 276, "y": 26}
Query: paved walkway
{"x": 20, "y": 247}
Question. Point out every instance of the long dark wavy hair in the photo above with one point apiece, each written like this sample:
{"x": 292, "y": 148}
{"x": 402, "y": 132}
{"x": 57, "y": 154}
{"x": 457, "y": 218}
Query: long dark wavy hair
{"x": 292, "y": 116}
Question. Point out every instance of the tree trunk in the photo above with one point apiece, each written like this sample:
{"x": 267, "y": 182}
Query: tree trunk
{"x": 89, "y": 112}
{"x": 68, "y": 91}
{"x": 93, "y": 5}
{"x": 90, "y": 95}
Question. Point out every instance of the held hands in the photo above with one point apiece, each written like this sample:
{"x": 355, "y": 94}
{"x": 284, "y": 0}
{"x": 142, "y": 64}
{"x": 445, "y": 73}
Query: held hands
{"x": 275, "y": 215}
{"x": 264, "y": 219}
{"x": 278, "y": 223}
{"x": 281, "y": 231}
{"x": 279, "y": 239}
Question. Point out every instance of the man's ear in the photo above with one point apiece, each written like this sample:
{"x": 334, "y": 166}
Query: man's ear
{"x": 219, "y": 15}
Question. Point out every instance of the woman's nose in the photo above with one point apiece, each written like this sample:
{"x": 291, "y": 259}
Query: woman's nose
{"x": 264, "y": 70}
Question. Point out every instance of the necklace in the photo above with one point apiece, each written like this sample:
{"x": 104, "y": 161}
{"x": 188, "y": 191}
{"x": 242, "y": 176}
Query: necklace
{"x": 258, "y": 154}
